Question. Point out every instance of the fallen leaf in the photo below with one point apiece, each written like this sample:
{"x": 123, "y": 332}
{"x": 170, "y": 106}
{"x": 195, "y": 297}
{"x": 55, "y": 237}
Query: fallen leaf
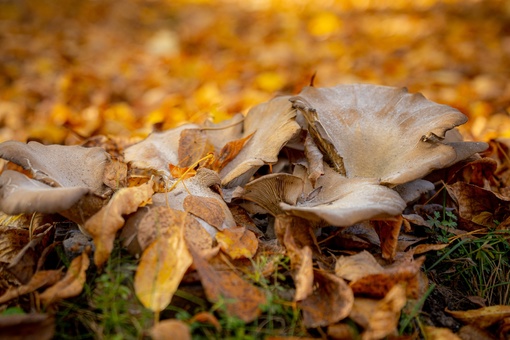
{"x": 242, "y": 299}
{"x": 330, "y": 301}
{"x": 379, "y": 318}
{"x": 437, "y": 333}
{"x": 229, "y": 152}
{"x": 39, "y": 279}
{"x": 207, "y": 208}
{"x": 482, "y": 317}
{"x": 171, "y": 328}
{"x": 162, "y": 267}
{"x": 206, "y": 317}
{"x": 193, "y": 145}
{"x": 238, "y": 242}
{"x": 302, "y": 263}
{"x": 71, "y": 284}
{"x": 388, "y": 231}
{"x": 369, "y": 278}
{"x": 103, "y": 226}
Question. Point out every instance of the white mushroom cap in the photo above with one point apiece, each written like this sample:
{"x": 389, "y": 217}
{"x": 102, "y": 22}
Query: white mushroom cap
{"x": 382, "y": 132}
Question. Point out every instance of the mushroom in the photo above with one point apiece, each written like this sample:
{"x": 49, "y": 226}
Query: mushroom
{"x": 66, "y": 179}
{"x": 273, "y": 124}
{"x": 382, "y": 132}
{"x": 21, "y": 195}
{"x": 337, "y": 200}
{"x": 157, "y": 151}
{"x": 342, "y": 201}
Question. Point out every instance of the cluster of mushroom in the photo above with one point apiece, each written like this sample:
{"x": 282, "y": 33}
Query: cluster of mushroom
{"x": 354, "y": 153}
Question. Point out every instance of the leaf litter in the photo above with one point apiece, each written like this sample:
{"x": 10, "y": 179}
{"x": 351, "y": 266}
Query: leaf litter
{"x": 337, "y": 179}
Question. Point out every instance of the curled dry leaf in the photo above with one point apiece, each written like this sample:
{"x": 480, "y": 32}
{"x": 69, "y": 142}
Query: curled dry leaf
{"x": 272, "y": 125}
{"x": 345, "y": 122}
{"x": 40, "y": 279}
{"x": 238, "y": 242}
{"x": 103, "y": 226}
{"x": 345, "y": 201}
{"x": 162, "y": 267}
{"x": 482, "y": 317}
{"x": 178, "y": 329}
{"x": 388, "y": 231}
{"x": 229, "y": 152}
{"x": 72, "y": 283}
{"x": 379, "y": 318}
{"x": 330, "y": 301}
{"x": 242, "y": 299}
{"x": 315, "y": 159}
{"x": 300, "y": 261}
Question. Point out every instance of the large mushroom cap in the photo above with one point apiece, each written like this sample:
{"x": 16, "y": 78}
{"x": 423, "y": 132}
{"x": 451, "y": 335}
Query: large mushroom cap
{"x": 382, "y": 132}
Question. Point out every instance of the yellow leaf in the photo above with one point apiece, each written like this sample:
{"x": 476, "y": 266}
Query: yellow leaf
{"x": 161, "y": 269}
{"x": 238, "y": 242}
{"x": 104, "y": 225}
{"x": 325, "y": 23}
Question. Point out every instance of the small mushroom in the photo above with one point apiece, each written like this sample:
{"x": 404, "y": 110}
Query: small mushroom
{"x": 268, "y": 191}
{"x": 382, "y": 132}
{"x": 273, "y": 125}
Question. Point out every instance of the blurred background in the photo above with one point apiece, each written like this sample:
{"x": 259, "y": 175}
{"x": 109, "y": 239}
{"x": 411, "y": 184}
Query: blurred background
{"x": 71, "y": 69}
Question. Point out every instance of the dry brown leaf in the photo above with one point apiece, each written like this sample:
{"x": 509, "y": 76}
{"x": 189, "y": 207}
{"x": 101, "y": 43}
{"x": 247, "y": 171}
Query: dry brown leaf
{"x": 330, "y": 302}
{"x": 193, "y": 145}
{"x": 162, "y": 267}
{"x": 342, "y": 331}
{"x": 475, "y": 202}
{"x": 40, "y": 279}
{"x": 388, "y": 231}
{"x": 208, "y": 209}
{"x": 377, "y": 282}
{"x": 27, "y": 326}
{"x": 206, "y": 317}
{"x": 315, "y": 159}
{"x": 242, "y": 299}
{"x": 103, "y": 226}
{"x": 238, "y": 242}
{"x": 379, "y": 318}
{"x": 436, "y": 333}
{"x": 71, "y": 284}
{"x": 170, "y": 329}
{"x": 423, "y": 248}
{"x": 482, "y": 317}
{"x": 229, "y": 152}
{"x": 115, "y": 174}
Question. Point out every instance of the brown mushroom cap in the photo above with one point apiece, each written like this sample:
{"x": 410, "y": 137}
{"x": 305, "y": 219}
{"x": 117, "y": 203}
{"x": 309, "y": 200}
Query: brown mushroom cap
{"x": 20, "y": 194}
{"x": 382, "y": 132}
